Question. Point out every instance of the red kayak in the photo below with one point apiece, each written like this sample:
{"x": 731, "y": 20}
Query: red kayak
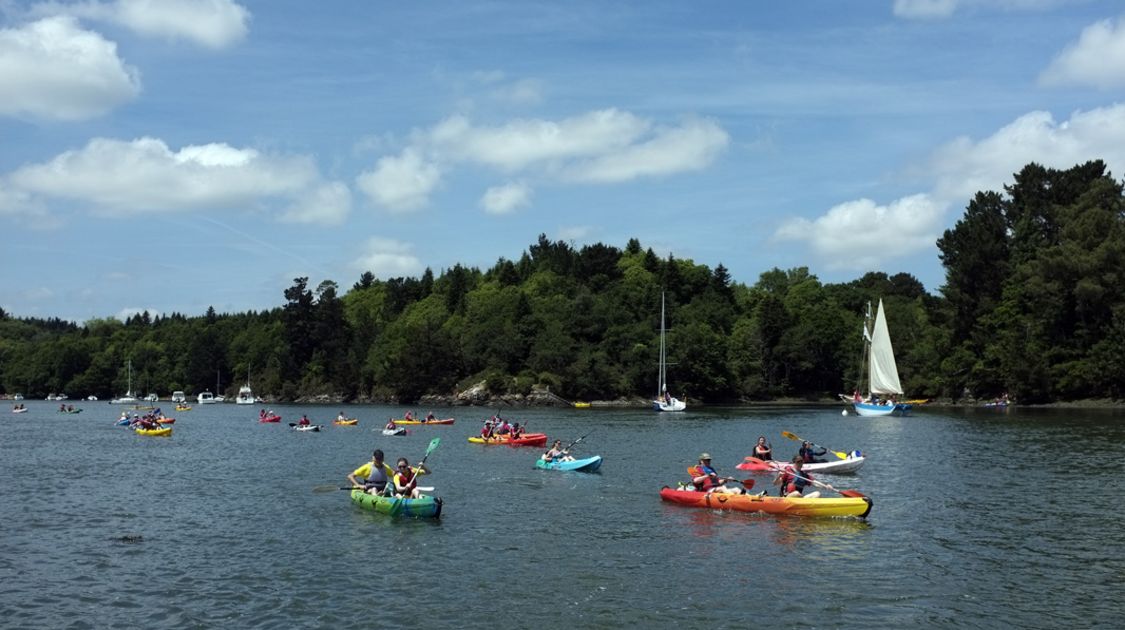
{"x": 270, "y": 419}
{"x": 527, "y": 439}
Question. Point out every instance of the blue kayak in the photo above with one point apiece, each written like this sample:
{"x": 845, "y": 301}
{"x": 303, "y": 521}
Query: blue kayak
{"x": 590, "y": 464}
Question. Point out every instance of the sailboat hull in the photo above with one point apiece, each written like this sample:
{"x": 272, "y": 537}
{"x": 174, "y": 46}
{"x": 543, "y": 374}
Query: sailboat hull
{"x": 675, "y": 405}
{"x": 868, "y": 409}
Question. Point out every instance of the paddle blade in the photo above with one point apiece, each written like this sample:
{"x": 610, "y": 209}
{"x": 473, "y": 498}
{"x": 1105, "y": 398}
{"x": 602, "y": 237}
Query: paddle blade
{"x": 839, "y": 454}
{"x": 433, "y": 444}
{"x": 854, "y": 494}
{"x": 791, "y": 436}
{"x": 748, "y": 483}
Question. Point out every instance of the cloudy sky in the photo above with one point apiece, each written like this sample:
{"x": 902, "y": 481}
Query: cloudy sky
{"x": 172, "y": 155}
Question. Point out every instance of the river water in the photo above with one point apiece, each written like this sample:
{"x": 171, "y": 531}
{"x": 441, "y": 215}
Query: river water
{"x": 981, "y": 519}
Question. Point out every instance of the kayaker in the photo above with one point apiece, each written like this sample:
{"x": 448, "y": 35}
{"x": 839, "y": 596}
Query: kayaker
{"x": 376, "y": 474}
{"x": 429, "y": 417}
{"x": 409, "y": 415}
{"x": 809, "y": 454}
{"x": 341, "y": 417}
{"x": 705, "y": 478}
{"x": 406, "y": 479}
{"x": 486, "y": 431}
{"x": 515, "y": 432}
{"x": 792, "y": 479}
{"x": 304, "y": 421}
{"x": 556, "y": 453}
{"x": 763, "y": 450}
{"x": 391, "y": 426}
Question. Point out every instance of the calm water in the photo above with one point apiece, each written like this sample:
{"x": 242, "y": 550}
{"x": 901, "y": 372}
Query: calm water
{"x": 982, "y": 519}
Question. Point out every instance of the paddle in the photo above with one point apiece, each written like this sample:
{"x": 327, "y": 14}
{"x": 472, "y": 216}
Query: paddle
{"x": 567, "y": 447}
{"x": 323, "y": 489}
{"x": 791, "y": 436}
{"x": 429, "y": 449}
{"x": 855, "y": 494}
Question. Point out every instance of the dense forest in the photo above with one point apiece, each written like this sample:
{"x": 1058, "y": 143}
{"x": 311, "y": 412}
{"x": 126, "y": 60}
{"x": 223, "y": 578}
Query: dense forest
{"x": 1033, "y": 305}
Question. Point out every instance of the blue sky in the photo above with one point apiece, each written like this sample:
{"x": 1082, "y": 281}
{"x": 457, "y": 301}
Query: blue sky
{"x": 177, "y": 154}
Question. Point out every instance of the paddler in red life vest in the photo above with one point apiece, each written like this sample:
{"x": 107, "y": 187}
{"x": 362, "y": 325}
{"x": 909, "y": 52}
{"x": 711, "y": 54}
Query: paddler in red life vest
{"x": 376, "y": 475}
{"x": 486, "y": 430}
{"x": 391, "y": 426}
{"x": 793, "y": 480}
{"x": 406, "y": 479}
{"x": 409, "y": 415}
{"x": 304, "y": 421}
{"x": 705, "y": 478}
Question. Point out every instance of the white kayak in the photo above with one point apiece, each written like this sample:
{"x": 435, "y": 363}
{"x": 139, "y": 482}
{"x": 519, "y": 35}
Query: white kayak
{"x": 307, "y": 427}
{"x": 837, "y": 467}
{"x": 396, "y": 431}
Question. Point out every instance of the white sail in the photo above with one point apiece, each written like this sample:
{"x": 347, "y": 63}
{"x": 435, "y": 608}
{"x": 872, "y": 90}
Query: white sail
{"x": 883, "y": 372}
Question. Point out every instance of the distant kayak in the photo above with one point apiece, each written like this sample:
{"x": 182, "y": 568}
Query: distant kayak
{"x": 589, "y": 464}
{"x": 20, "y": 410}
{"x": 423, "y": 507}
{"x": 350, "y": 422}
{"x": 307, "y": 427}
{"x": 70, "y": 411}
{"x": 163, "y": 432}
{"x": 398, "y": 431}
{"x": 797, "y": 506}
{"x": 838, "y": 467}
{"x": 435, "y": 421}
{"x": 270, "y": 419}
{"x": 527, "y": 439}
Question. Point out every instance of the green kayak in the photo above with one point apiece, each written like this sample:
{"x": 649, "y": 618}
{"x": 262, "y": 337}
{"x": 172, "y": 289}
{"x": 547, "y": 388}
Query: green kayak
{"x": 424, "y": 507}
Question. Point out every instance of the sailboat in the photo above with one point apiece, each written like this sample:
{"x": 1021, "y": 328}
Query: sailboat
{"x": 664, "y": 401}
{"x": 245, "y": 394}
{"x": 882, "y": 372}
{"x": 129, "y": 398}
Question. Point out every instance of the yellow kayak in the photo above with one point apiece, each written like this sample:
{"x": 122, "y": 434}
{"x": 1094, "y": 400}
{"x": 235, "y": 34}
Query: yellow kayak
{"x": 162, "y": 432}
{"x": 350, "y": 422}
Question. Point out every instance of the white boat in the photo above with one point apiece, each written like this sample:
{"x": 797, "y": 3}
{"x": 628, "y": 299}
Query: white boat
{"x": 17, "y": 397}
{"x": 882, "y": 372}
{"x": 665, "y": 401}
{"x": 152, "y": 398}
{"x": 178, "y": 397}
{"x": 129, "y": 398}
{"x": 205, "y": 398}
{"x": 92, "y": 398}
{"x": 245, "y": 394}
{"x": 54, "y": 396}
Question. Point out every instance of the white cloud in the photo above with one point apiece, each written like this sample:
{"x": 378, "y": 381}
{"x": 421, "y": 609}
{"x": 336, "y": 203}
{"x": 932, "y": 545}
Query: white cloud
{"x": 388, "y": 258}
{"x": 401, "y": 183}
{"x": 54, "y": 69}
{"x": 128, "y": 312}
{"x": 210, "y": 23}
{"x": 328, "y": 204}
{"x": 507, "y": 198}
{"x": 963, "y": 167}
{"x": 1097, "y": 59}
{"x": 924, "y": 9}
{"x": 522, "y": 92}
{"x": 690, "y": 147}
{"x": 860, "y": 234}
{"x": 122, "y": 178}
{"x": 574, "y": 232}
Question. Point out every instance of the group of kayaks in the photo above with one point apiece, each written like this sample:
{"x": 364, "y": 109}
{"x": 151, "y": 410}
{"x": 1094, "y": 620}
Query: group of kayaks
{"x": 156, "y": 425}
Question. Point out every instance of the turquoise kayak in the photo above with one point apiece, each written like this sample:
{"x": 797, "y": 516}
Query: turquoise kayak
{"x": 424, "y": 507}
{"x": 590, "y": 464}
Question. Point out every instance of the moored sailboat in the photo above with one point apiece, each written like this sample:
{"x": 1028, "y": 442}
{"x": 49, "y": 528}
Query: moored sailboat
{"x": 665, "y": 401}
{"x": 882, "y": 372}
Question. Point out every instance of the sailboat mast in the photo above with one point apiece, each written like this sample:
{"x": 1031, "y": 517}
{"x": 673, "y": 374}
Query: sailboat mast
{"x": 660, "y": 384}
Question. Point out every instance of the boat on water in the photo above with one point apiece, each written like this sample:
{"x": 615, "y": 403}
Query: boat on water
{"x": 205, "y": 397}
{"x": 178, "y": 397}
{"x": 305, "y": 427}
{"x": 882, "y": 373}
{"x": 161, "y": 432}
{"x": 348, "y": 422}
{"x": 245, "y": 394}
{"x": 588, "y": 464}
{"x": 839, "y": 467}
{"x": 434, "y": 421}
{"x": 527, "y": 439}
{"x": 665, "y": 401}
{"x": 152, "y": 398}
{"x": 781, "y": 506}
{"x": 53, "y": 396}
{"x": 92, "y": 398}
{"x": 129, "y": 398}
{"x": 396, "y": 431}
{"x": 422, "y": 507}
{"x": 20, "y": 410}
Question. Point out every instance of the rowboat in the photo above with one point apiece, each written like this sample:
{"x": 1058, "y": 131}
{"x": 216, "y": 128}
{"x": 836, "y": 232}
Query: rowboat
{"x": 351, "y": 422}
{"x": 527, "y": 439}
{"x": 435, "y": 421}
{"x": 589, "y": 464}
{"x": 838, "y": 467}
{"x": 422, "y": 507}
{"x": 797, "y": 506}
{"x": 162, "y": 432}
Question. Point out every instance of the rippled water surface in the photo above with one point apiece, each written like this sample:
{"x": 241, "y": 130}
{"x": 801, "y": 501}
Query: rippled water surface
{"x": 982, "y": 519}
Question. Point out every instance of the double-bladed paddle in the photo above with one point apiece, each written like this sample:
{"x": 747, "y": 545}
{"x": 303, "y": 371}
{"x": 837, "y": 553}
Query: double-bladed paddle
{"x": 840, "y": 454}
{"x": 854, "y": 494}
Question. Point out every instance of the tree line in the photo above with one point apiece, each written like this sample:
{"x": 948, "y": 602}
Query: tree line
{"x": 1032, "y": 305}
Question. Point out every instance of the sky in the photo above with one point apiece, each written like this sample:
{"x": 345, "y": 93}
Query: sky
{"x": 175, "y": 155}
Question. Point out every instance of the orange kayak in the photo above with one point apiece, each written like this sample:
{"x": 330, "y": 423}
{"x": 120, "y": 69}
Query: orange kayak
{"x": 527, "y": 439}
{"x": 797, "y": 506}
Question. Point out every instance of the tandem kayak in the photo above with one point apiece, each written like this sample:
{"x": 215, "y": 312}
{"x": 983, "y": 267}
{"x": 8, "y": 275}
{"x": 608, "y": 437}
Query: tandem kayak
{"x": 443, "y": 421}
{"x": 423, "y": 507}
{"x": 796, "y": 506}
{"x": 590, "y": 464}
{"x": 270, "y": 419}
{"x": 69, "y": 411}
{"x": 527, "y": 439}
{"x": 398, "y": 431}
{"x": 162, "y": 432}
{"x": 838, "y": 467}
{"x": 350, "y": 422}
{"x": 20, "y": 410}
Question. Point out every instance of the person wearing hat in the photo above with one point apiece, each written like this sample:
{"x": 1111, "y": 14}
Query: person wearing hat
{"x": 809, "y": 454}
{"x": 705, "y": 478}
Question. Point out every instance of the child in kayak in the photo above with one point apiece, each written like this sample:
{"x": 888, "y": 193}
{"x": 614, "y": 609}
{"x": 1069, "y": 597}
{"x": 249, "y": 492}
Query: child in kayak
{"x": 376, "y": 475}
{"x": 704, "y": 478}
{"x": 406, "y": 479}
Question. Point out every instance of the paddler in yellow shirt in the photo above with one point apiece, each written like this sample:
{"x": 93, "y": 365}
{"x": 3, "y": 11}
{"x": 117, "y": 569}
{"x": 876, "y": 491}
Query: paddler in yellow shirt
{"x": 376, "y": 474}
